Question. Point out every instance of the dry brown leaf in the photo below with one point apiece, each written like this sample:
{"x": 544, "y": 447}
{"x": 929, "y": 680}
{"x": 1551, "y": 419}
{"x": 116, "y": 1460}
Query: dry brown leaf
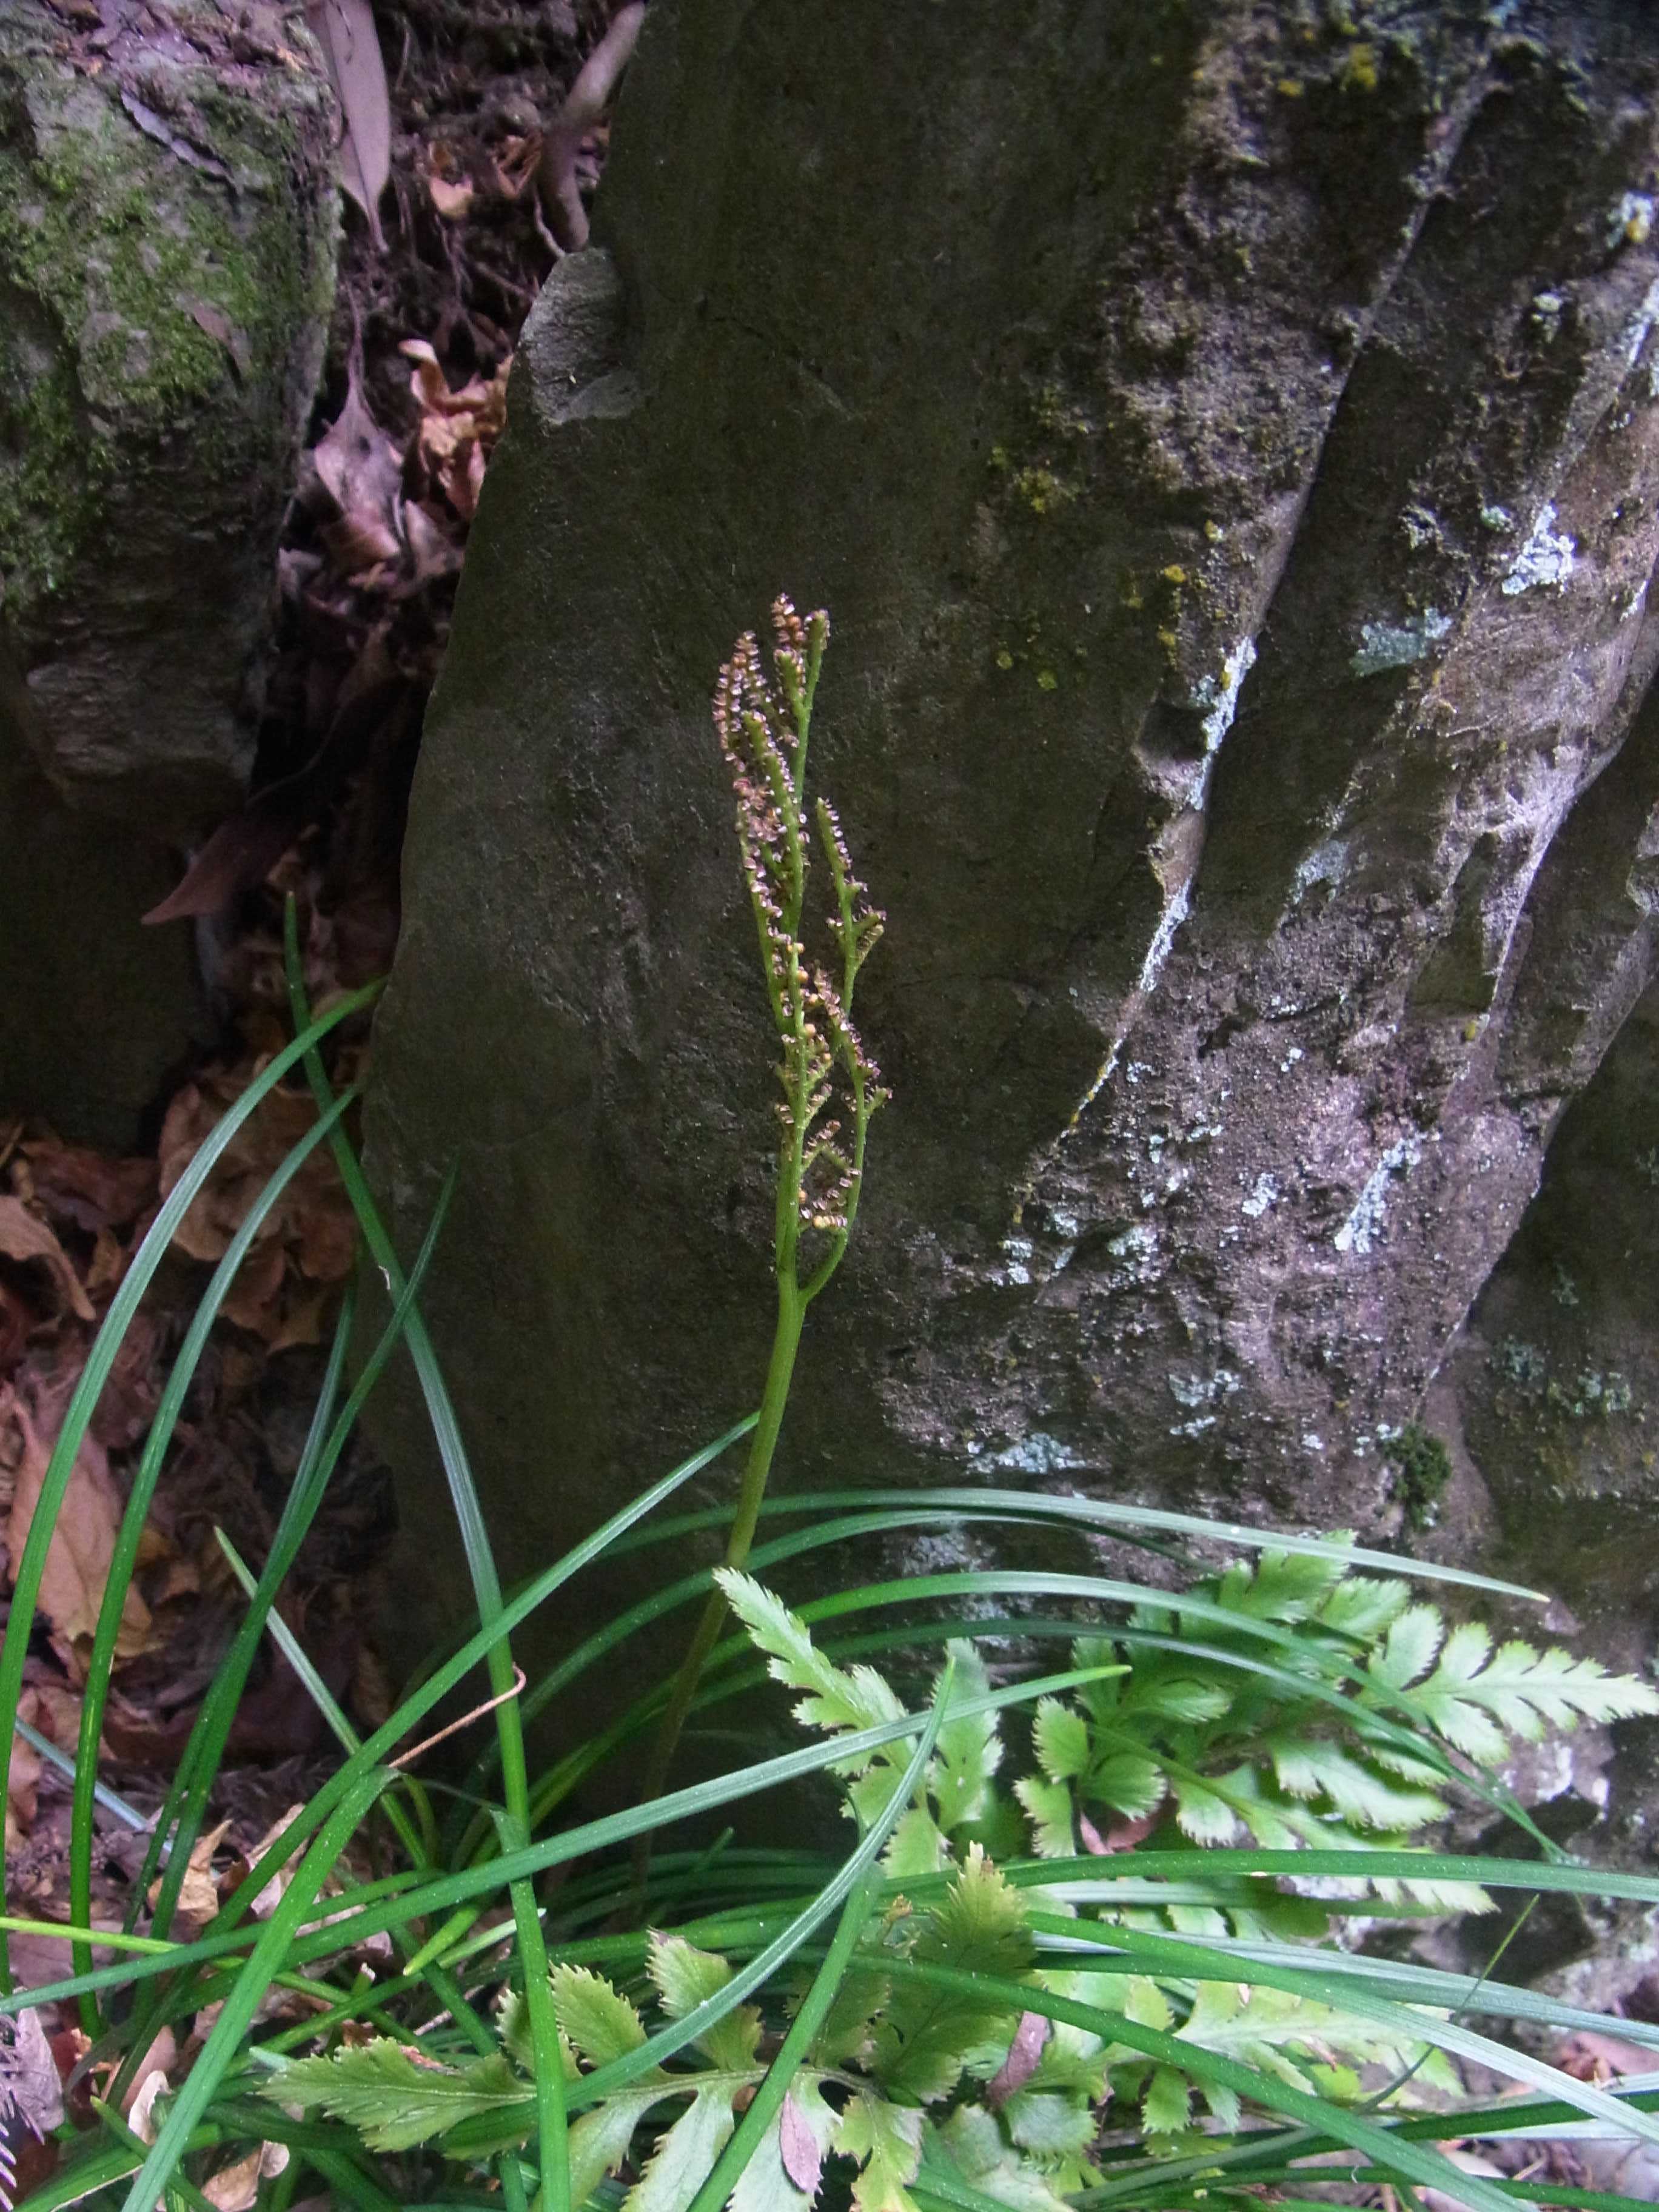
{"x": 308, "y": 1240}
{"x": 1023, "y": 2053}
{"x": 28, "y": 2073}
{"x": 159, "y": 2058}
{"x": 345, "y": 31}
{"x": 357, "y": 463}
{"x": 458, "y": 429}
{"x": 72, "y": 1182}
{"x": 23, "y": 1780}
{"x": 198, "y": 1893}
{"x": 452, "y": 198}
{"x": 24, "y": 1236}
{"x": 270, "y": 1896}
{"x": 83, "y": 1543}
{"x": 236, "y": 2188}
{"x": 139, "y": 2119}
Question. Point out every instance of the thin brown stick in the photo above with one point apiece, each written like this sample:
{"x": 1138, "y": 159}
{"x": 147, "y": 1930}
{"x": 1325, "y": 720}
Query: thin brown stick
{"x": 465, "y": 1721}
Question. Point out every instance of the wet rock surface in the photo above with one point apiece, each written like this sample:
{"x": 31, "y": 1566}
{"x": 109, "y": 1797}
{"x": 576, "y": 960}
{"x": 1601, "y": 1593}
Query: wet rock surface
{"x": 1227, "y": 445}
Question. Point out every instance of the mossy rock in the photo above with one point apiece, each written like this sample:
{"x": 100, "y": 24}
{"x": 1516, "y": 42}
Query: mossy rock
{"x": 168, "y": 230}
{"x": 168, "y": 224}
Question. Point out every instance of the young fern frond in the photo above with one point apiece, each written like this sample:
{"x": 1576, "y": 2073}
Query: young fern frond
{"x": 823, "y": 1062}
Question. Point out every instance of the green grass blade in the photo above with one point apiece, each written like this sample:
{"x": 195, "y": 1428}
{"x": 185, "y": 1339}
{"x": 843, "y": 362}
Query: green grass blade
{"x": 124, "y": 1558}
{"x": 31, "y": 1563}
{"x": 320, "y": 1693}
{"x": 270, "y": 1954}
{"x": 398, "y": 1900}
{"x": 219, "y": 1709}
{"x": 1029, "y": 1505}
{"x": 291, "y": 1525}
{"x": 1185, "y": 1958}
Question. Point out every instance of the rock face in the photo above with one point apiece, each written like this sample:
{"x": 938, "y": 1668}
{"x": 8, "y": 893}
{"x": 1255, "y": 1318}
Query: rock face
{"x": 1227, "y": 443}
{"x": 168, "y": 230}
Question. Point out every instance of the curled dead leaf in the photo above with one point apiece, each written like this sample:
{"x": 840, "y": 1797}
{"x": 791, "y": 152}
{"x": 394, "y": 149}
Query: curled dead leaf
{"x": 71, "y": 1183}
{"x": 236, "y": 2188}
{"x": 452, "y": 197}
{"x": 160, "y": 2059}
{"x": 24, "y": 1236}
{"x": 306, "y": 1242}
{"x": 83, "y": 1540}
{"x": 198, "y": 1893}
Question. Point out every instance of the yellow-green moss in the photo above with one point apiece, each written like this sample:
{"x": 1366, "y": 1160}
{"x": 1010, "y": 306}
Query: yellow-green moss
{"x": 106, "y": 248}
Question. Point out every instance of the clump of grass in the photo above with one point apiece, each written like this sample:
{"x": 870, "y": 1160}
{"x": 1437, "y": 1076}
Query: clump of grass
{"x": 1084, "y": 1949}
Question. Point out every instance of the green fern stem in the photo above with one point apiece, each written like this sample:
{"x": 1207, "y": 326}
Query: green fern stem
{"x": 765, "y": 742}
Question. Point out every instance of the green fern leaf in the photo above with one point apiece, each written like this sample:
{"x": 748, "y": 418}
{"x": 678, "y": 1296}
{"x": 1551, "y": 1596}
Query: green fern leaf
{"x": 1060, "y": 1736}
{"x": 1049, "y": 1808}
{"x": 1408, "y": 1649}
{"x": 969, "y": 1749}
{"x": 1166, "y": 2102}
{"x": 1203, "y": 1816}
{"x": 1049, "y": 2123}
{"x": 1285, "y": 2035}
{"x": 924, "y": 2037}
{"x": 1129, "y": 1782}
{"x": 1185, "y": 1698}
{"x": 974, "y": 2145}
{"x": 686, "y": 1978}
{"x": 1475, "y": 1695}
{"x": 916, "y": 1846}
{"x": 855, "y": 1698}
{"x": 599, "y": 2022}
{"x": 1283, "y": 1586}
{"x": 393, "y": 2099}
{"x": 884, "y": 2140}
{"x": 599, "y": 2140}
{"x": 679, "y": 2166}
{"x": 1308, "y": 1768}
{"x": 848, "y": 2036}
{"x": 1363, "y": 1606}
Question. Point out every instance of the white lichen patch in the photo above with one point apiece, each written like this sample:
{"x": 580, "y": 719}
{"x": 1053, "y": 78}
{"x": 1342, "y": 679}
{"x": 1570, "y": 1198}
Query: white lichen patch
{"x": 1037, "y": 1454}
{"x": 1629, "y": 219}
{"x": 1326, "y": 864}
{"x": 1547, "y": 559}
{"x": 1494, "y": 517}
{"x": 1397, "y": 645}
{"x": 1218, "y": 698}
{"x": 1193, "y": 1391}
{"x": 1636, "y": 331}
{"x": 1360, "y": 1229}
{"x": 1175, "y": 913}
{"x": 1263, "y": 1195}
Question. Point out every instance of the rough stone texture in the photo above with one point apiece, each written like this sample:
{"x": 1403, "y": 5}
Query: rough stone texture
{"x": 168, "y": 228}
{"x": 1227, "y": 443}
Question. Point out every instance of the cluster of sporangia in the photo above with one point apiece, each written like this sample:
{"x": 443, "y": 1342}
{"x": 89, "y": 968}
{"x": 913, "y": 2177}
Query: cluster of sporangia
{"x": 764, "y": 740}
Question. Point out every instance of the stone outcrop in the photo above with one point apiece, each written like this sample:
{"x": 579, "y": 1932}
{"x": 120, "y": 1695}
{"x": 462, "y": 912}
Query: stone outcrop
{"x": 168, "y": 226}
{"x": 1226, "y": 439}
